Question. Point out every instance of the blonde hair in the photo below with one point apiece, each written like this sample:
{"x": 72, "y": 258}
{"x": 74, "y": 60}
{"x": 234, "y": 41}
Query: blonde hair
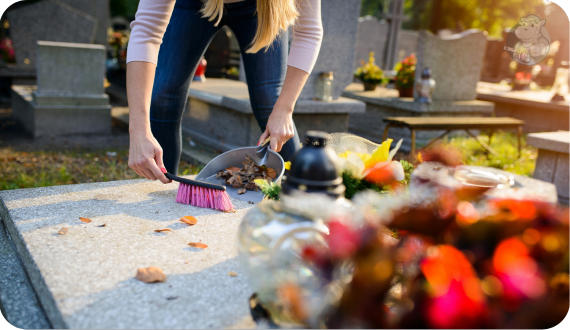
{"x": 273, "y": 17}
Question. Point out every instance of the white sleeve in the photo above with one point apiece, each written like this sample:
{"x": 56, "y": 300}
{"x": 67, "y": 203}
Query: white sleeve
{"x": 307, "y": 36}
{"x": 147, "y": 30}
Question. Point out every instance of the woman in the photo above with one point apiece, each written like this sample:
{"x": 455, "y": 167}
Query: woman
{"x": 274, "y": 82}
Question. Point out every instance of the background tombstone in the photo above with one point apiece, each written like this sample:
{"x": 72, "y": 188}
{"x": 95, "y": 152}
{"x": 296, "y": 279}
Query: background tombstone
{"x": 456, "y": 62}
{"x": 69, "y": 98}
{"x": 49, "y": 20}
{"x": 371, "y": 37}
{"x": 340, "y": 25}
{"x": 99, "y": 9}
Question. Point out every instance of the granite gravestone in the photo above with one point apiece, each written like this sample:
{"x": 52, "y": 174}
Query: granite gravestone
{"x": 49, "y": 20}
{"x": 69, "y": 98}
{"x": 99, "y": 9}
{"x": 371, "y": 37}
{"x": 340, "y": 24}
{"x": 456, "y": 62}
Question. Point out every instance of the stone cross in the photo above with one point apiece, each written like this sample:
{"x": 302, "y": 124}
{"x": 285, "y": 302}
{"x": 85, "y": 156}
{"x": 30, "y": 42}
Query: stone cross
{"x": 395, "y": 17}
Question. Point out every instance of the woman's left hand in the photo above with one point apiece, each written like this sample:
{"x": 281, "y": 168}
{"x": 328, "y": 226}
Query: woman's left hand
{"x": 279, "y": 127}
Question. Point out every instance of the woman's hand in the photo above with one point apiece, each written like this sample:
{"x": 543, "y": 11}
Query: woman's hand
{"x": 279, "y": 127}
{"x": 145, "y": 156}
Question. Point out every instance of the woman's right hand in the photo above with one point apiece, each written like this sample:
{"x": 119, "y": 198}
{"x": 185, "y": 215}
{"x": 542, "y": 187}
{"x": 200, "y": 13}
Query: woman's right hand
{"x": 145, "y": 156}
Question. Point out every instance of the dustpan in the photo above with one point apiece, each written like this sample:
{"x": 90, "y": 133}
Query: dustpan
{"x": 235, "y": 158}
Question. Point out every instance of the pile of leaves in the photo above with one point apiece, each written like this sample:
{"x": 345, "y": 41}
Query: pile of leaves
{"x": 244, "y": 179}
{"x": 463, "y": 260}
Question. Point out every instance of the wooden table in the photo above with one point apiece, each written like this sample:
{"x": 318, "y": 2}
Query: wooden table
{"x": 455, "y": 123}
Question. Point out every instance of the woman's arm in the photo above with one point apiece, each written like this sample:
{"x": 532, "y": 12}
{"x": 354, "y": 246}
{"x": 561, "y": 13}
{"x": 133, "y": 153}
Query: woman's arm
{"x": 145, "y": 154}
{"x": 305, "y": 46}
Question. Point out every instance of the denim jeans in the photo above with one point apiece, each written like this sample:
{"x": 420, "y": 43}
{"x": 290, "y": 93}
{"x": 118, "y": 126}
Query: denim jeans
{"x": 186, "y": 38}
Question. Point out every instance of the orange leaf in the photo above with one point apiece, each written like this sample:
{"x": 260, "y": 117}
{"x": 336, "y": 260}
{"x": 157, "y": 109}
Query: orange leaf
{"x": 162, "y": 230}
{"x": 271, "y": 173}
{"x": 151, "y": 275}
{"x": 198, "y": 245}
{"x": 232, "y": 274}
{"x": 232, "y": 170}
{"x": 86, "y": 220}
{"x": 189, "y": 220}
{"x": 230, "y": 211}
{"x": 63, "y": 231}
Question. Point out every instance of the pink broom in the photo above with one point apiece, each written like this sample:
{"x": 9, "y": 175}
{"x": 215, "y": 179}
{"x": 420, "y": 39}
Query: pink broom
{"x": 201, "y": 194}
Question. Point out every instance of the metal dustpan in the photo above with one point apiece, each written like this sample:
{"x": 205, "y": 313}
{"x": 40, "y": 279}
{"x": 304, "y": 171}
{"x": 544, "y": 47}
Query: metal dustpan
{"x": 235, "y": 158}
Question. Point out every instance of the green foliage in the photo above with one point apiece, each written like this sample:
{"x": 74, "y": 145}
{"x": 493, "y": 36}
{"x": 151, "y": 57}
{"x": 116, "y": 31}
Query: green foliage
{"x": 505, "y": 144}
{"x": 271, "y": 190}
{"x": 370, "y": 72}
{"x": 125, "y": 8}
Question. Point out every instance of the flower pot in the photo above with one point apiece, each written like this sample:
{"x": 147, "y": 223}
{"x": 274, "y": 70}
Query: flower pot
{"x": 368, "y": 86}
{"x": 405, "y": 92}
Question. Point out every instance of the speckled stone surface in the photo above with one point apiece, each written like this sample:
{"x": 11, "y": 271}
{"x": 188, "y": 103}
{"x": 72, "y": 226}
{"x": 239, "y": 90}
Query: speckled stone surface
{"x": 18, "y": 300}
{"x": 85, "y": 279}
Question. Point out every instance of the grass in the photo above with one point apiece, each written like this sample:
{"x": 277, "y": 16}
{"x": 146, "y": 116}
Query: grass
{"x": 49, "y": 168}
{"x": 505, "y": 144}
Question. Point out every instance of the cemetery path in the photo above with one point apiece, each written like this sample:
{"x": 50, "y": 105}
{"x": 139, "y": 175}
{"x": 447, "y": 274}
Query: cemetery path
{"x": 85, "y": 279}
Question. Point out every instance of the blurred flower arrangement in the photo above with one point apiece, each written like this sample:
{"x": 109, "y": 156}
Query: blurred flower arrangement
{"x": 7, "y": 53}
{"x": 369, "y": 73}
{"x": 360, "y": 171}
{"x": 463, "y": 260}
{"x": 405, "y": 75}
{"x": 118, "y": 41}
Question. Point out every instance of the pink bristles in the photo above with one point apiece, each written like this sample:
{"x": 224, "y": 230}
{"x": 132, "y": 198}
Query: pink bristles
{"x": 203, "y": 197}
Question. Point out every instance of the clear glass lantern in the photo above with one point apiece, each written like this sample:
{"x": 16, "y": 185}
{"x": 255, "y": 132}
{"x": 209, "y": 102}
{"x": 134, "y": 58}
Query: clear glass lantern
{"x": 324, "y": 86}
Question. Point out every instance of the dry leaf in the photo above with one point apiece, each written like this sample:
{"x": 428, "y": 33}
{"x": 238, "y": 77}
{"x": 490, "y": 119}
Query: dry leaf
{"x": 86, "y": 220}
{"x": 103, "y": 225}
{"x": 151, "y": 275}
{"x": 63, "y": 231}
{"x": 189, "y": 220}
{"x": 232, "y": 274}
{"x": 232, "y": 170}
{"x": 198, "y": 245}
{"x": 242, "y": 191}
{"x": 271, "y": 173}
{"x": 162, "y": 230}
{"x": 230, "y": 211}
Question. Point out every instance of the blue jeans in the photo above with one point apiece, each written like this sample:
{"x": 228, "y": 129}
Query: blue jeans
{"x": 185, "y": 41}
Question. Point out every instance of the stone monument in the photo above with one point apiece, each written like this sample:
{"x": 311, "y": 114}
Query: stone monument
{"x": 69, "y": 97}
{"x": 456, "y": 62}
{"x": 48, "y": 20}
{"x": 371, "y": 37}
{"x": 99, "y": 9}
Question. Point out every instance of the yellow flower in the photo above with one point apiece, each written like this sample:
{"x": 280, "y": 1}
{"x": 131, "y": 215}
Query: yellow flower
{"x": 381, "y": 154}
{"x": 287, "y": 165}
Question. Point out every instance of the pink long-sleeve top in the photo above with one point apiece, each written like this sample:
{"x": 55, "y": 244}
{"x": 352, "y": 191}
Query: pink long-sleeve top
{"x": 152, "y": 18}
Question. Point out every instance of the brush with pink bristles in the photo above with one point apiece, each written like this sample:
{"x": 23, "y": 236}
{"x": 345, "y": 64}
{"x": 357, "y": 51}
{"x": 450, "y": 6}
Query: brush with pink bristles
{"x": 202, "y": 194}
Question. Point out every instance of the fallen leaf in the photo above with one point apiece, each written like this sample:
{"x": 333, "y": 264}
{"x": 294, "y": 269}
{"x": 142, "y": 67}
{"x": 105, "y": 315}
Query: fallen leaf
{"x": 232, "y": 274}
{"x": 103, "y": 225}
{"x": 232, "y": 170}
{"x": 162, "y": 230}
{"x": 189, "y": 220}
{"x": 172, "y": 298}
{"x": 230, "y": 211}
{"x": 198, "y": 245}
{"x": 271, "y": 173}
{"x": 150, "y": 275}
{"x": 241, "y": 191}
{"x": 86, "y": 220}
{"x": 185, "y": 262}
{"x": 63, "y": 231}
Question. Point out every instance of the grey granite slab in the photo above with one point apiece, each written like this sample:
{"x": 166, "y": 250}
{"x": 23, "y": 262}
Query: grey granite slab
{"x": 552, "y": 141}
{"x": 18, "y": 300}
{"x": 85, "y": 279}
{"x": 48, "y": 20}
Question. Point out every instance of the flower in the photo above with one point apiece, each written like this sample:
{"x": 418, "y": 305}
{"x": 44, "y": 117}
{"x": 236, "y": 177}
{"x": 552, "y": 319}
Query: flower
{"x": 370, "y": 72}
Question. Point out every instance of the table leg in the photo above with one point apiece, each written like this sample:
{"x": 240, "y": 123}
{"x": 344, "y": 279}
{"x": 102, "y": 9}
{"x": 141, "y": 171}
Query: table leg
{"x": 519, "y": 137}
{"x": 413, "y": 150}
{"x": 436, "y": 139}
{"x": 385, "y": 136}
{"x": 482, "y": 143}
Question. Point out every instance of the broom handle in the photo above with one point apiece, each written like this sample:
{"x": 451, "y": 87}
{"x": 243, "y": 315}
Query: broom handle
{"x": 195, "y": 183}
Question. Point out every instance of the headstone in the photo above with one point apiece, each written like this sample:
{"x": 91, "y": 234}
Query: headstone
{"x": 85, "y": 279}
{"x": 371, "y": 37}
{"x": 456, "y": 62}
{"x": 340, "y": 25}
{"x": 49, "y": 20}
{"x": 69, "y": 98}
{"x": 99, "y": 9}
{"x": 395, "y": 17}
{"x": 552, "y": 163}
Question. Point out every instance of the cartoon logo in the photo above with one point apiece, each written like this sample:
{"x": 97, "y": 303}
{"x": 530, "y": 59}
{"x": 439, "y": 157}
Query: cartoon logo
{"x": 528, "y": 42}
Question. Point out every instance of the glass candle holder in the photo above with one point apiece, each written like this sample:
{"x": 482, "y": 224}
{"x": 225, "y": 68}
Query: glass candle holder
{"x": 324, "y": 86}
